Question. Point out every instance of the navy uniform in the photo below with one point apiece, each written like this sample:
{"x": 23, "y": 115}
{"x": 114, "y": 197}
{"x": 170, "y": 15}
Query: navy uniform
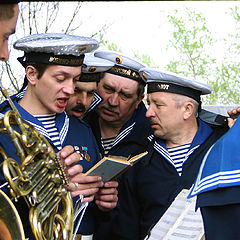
{"x": 132, "y": 138}
{"x": 151, "y": 186}
{"x": 218, "y": 187}
{"x": 56, "y": 49}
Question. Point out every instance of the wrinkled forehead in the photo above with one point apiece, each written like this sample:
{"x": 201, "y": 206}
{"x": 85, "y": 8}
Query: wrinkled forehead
{"x": 120, "y": 83}
{"x": 86, "y": 86}
{"x": 162, "y": 96}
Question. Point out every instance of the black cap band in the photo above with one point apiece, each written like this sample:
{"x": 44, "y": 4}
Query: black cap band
{"x": 48, "y": 58}
{"x": 90, "y": 77}
{"x": 125, "y": 72}
{"x": 173, "y": 88}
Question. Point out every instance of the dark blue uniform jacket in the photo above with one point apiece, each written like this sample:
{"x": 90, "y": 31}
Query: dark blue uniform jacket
{"x": 148, "y": 189}
{"x": 72, "y": 131}
{"x": 132, "y": 139}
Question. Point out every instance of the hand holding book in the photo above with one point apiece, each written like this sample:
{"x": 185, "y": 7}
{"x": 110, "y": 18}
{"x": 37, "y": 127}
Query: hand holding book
{"x": 111, "y": 167}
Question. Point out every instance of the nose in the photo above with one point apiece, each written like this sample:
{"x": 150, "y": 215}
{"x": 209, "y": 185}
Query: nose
{"x": 113, "y": 99}
{"x": 4, "y": 53}
{"x": 82, "y": 98}
{"x": 150, "y": 112}
{"x": 69, "y": 87}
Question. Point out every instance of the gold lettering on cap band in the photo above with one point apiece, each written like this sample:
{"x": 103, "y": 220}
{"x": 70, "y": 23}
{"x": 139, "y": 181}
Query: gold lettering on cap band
{"x": 127, "y": 72}
{"x": 65, "y": 61}
{"x": 163, "y": 86}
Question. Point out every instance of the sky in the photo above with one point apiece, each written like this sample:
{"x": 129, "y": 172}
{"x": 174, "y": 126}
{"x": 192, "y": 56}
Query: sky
{"x": 140, "y": 27}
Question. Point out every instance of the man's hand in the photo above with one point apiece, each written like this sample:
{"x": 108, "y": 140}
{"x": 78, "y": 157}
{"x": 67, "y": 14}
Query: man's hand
{"x": 107, "y": 197}
{"x": 79, "y": 184}
{"x": 232, "y": 119}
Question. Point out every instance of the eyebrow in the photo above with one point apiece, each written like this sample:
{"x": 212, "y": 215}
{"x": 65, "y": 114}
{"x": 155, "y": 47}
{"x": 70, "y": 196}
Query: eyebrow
{"x": 61, "y": 72}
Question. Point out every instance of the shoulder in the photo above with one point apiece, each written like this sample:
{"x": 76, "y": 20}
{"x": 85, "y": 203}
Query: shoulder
{"x": 76, "y": 121}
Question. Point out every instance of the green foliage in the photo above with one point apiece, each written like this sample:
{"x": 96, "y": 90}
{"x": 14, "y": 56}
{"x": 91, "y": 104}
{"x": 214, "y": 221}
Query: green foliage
{"x": 145, "y": 59}
{"x": 193, "y": 42}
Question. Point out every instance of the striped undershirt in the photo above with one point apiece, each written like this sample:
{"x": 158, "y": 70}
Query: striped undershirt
{"x": 178, "y": 156}
{"x": 107, "y": 144}
{"x": 49, "y": 123}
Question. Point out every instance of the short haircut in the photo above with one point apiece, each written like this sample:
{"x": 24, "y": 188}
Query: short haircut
{"x": 6, "y": 11}
{"x": 40, "y": 67}
{"x": 181, "y": 99}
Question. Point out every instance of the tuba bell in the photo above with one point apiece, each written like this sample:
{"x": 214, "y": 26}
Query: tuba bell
{"x": 39, "y": 178}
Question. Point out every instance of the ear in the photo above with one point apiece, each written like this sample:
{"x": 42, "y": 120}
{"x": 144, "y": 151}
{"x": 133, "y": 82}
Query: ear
{"x": 188, "y": 110}
{"x": 31, "y": 74}
{"x": 138, "y": 101}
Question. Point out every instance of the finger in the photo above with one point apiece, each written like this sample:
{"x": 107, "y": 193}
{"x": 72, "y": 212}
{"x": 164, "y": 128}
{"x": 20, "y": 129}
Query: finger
{"x": 73, "y": 158}
{"x": 66, "y": 151}
{"x": 81, "y": 178}
{"x": 105, "y": 206}
{"x": 231, "y": 122}
{"x": 111, "y": 184}
{"x": 86, "y": 192}
{"x": 84, "y": 187}
{"x": 107, "y": 198}
{"x": 74, "y": 170}
{"x": 106, "y": 191}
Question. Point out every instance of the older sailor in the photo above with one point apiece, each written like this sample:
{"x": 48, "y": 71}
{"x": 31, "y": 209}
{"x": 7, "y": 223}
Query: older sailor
{"x": 180, "y": 141}
{"x": 85, "y": 97}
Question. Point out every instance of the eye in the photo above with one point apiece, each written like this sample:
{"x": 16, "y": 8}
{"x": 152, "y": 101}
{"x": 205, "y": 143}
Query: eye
{"x": 91, "y": 93}
{"x": 108, "y": 90}
{"x": 77, "y": 90}
{"x": 60, "y": 78}
{"x": 124, "y": 96}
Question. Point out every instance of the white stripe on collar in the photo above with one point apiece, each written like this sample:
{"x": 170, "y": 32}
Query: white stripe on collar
{"x": 123, "y": 134}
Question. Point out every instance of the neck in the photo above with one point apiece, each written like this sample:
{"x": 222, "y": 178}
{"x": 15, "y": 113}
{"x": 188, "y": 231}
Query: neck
{"x": 185, "y": 135}
{"x": 109, "y": 130}
{"x": 31, "y": 104}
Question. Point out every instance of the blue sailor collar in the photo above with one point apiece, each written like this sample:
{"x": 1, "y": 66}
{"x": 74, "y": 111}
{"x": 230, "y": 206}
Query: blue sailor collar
{"x": 221, "y": 165}
{"x": 136, "y": 126}
{"x": 202, "y": 134}
{"x": 97, "y": 100}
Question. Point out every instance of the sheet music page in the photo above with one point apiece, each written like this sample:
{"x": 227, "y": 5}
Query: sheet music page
{"x": 180, "y": 221}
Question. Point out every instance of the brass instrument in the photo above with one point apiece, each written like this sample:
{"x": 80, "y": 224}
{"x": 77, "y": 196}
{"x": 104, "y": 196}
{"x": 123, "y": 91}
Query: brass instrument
{"x": 39, "y": 178}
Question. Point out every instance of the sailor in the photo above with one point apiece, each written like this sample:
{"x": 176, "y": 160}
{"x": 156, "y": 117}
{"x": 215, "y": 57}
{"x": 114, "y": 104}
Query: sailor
{"x": 52, "y": 63}
{"x": 175, "y": 153}
{"x": 85, "y": 97}
{"x": 119, "y": 123}
{"x": 217, "y": 187}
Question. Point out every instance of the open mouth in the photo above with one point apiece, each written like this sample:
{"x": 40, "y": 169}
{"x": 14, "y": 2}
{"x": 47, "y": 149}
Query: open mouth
{"x": 62, "y": 102}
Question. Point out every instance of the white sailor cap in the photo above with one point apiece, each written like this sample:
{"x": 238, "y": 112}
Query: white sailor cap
{"x": 93, "y": 68}
{"x": 163, "y": 81}
{"x": 55, "y": 48}
{"x": 123, "y": 66}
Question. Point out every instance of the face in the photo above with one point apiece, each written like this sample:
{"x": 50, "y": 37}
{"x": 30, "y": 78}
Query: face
{"x": 165, "y": 117}
{"x": 82, "y": 98}
{"x": 7, "y": 28}
{"x": 120, "y": 99}
{"x": 51, "y": 92}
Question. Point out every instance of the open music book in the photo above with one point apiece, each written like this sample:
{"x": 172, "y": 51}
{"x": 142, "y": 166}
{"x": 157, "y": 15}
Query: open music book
{"x": 111, "y": 167}
{"x": 180, "y": 221}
